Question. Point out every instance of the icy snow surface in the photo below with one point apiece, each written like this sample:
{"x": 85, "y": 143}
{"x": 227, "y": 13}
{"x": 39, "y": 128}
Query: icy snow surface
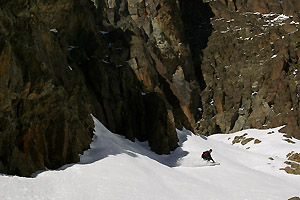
{"x": 117, "y": 169}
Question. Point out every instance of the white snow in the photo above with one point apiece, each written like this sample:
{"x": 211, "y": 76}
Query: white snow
{"x": 54, "y": 30}
{"x": 293, "y": 22}
{"x": 104, "y": 32}
{"x": 115, "y": 168}
{"x": 280, "y": 18}
{"x": 70, "y": 47}
{"x": 274, "y": 56}
{"x": 268, "y": 15}
{"x": 224, "y": 31}
{"x": 106, "y": 62}
{"x": 231, "y": 20}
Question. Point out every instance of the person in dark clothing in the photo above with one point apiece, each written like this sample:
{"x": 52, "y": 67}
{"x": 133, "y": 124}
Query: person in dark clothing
{"x": 206, "y": 155}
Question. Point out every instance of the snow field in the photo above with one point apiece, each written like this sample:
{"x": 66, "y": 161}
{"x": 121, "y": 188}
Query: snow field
{"x": 116, "y": 168}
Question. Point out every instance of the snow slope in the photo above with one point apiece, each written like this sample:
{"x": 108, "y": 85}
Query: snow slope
{"x": 115, "y": 168}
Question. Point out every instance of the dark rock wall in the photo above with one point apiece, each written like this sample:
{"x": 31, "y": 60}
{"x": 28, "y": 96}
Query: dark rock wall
{"x": 44, "y": 106}
{"x": 124, "y": 61}
{"x": 147, "y": 38}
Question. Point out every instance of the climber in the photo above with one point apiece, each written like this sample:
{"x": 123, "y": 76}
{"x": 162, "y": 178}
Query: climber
{"x": 206, "y": 155}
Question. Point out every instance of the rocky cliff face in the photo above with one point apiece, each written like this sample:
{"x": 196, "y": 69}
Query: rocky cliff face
{"x": 143, "y": 68}
{"x": 124, "y": 61}
{"x": 250, "y": 67}
{"x": 146, "y": 38}
{"x": 44, "y": 108}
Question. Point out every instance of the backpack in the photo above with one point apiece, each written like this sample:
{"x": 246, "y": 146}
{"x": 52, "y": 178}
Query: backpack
{"x": 204, "y": 154}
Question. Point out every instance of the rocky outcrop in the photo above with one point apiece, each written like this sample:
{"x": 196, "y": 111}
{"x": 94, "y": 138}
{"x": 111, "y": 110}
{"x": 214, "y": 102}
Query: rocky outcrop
{"x": 287, "y": 7}
{"x": 294, "y": 198}
{"x": 244, "y": 140}
{"x": 250, "y": 68}
{"x": 44, "y": 108}
{"x": 294, "y": 162}
{"x": 158, "y": 54}
{"x": 149, "y": 36}
{"x": 126, "y": 62}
